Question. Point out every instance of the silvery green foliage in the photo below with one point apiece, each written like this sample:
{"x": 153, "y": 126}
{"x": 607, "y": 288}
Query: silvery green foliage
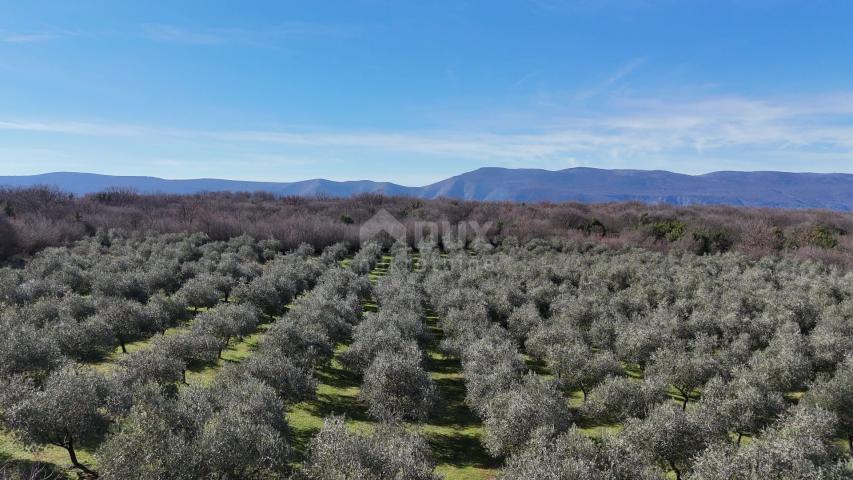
{"x": 260, "y": 292}
{"x": 390, "y": 329}
{"x": 343, "y": 283}
{"x": 189, "y": 347}
{"x": 366, "y": 259}
{"x": 578, "y": 367}
{"x": 491, "y": 365}
{"x": 745, "y": 404}
{"x": 524, "y": 319}
{"x": 669, "y": 436}
{"x": 389, "y": 453}
{"x": 463, "y": 326}
{"x": 832, "y": 338}
{"x": 571, "y": 455}
{"x": 835, "y": 394}
{"x": 151, "y": 365}
{"x": 76, "y": 307}
{"x": 303, "y": 340}
{"x": 334, "y": 253}
{"x": 304, "y": 250}
{"x": 68, "y": 410}
{"x": 513, "y": 415}
{"x": 89, "y": 339}
{"x": 125, "y": 318}
{"x": 798, "y": 447}
{"x": 292, "y": 380}
{"x": 548, "y": 335}
{"x": 785, "y": 362}
{"x": 618, "y": 398}
{"x": 233, "y": 431}
{"x": 245, "y": 438}
{"x": 227, "y": 321}
{"x": 685, "y": 367}
{"x": 24, "y": 350}
{"x": 396, "y": 387}
{"x": 147, "y": 444}
{"x": 201, "y": 292}
{"x": 636, "y": 342}
{"x": 163, "y": 311}
{"x": 371, "y": 337}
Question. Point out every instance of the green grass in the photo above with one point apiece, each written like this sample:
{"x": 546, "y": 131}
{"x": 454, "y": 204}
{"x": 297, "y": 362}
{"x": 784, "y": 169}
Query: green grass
{"x": 15, "y": 453}
{"x": 454, "y": 431}
{"x": 106, "y": 364}
{"x": 236, "y": 351}
{"x": 337, "y": 394}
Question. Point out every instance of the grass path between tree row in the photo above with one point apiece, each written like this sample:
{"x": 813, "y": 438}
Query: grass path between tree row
{"x": 453, "y": 432}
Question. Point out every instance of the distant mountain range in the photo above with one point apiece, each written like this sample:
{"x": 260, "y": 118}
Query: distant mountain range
{"x": 759, "y": 189}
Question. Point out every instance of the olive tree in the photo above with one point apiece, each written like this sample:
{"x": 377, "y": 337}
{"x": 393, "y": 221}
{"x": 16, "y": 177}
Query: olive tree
{"x": 370, "y": 337}
{"x": 189, "y": 347}
{"x": 686, "y": 369}
{"x": 491, "y": 365}
{"x": 799, "y": 447}
{"x": 162, "y": 312}
{"x": 618, "y": 398}
{"x": 303, "y": 340}
{"x": 669, "y": 435}
{"x": 292, "y": 380}
{"x": 125, "y": 318}
{"x": 89, "y": 339}
{"x": 513, "y": 415}
{"x": 744, "y": 405}
{"x": 389, "y": 453}
{"x": 571, "y": 455}
{"x": 150, "y": 365}
{"x": 396, "y": 387}
{"x": 835, "y": 394}
{"x": 146, "y": 444}
{"x": 786, "y": 361}
{"x": 67, "y": 411}
{"x": 227, "y": 321}
{"x": 200, "y": 292}
{"x": 26, "y": 350}
{"x": 578, "y": 367}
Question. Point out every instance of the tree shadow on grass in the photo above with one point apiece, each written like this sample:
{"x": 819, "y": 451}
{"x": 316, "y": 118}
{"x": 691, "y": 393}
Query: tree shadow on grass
{"x": 338, "y": 377}
{"x": 331, "y": 404}
{"x": 198, "y": 366}
{"x": 438, "y": 363}
{"x": 460, "y": 451}
{"x": 30, "y": 470}
{"x": 300, "y": 440}
{"x": 537, "y": 366}
{"x": 451, "y": 410}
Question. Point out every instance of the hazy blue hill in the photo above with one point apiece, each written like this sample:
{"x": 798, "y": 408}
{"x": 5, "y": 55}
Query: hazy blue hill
{"x": 766, "y": 189}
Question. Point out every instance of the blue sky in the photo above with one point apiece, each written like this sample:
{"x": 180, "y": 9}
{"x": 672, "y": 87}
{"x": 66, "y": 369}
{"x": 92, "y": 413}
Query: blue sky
{"x": 417, "y": 91}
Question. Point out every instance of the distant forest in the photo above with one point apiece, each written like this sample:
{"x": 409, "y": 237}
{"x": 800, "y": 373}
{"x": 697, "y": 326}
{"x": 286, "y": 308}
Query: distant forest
{"x": 35, "y": 218}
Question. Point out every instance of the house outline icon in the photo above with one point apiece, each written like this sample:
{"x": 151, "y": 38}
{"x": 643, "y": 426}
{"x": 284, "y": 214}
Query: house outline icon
{"x": 382, "y": 221}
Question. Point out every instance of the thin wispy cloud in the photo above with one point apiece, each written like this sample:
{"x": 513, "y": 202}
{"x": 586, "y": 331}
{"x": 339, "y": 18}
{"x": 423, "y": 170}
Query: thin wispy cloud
{"x": 257, "y": 36}
{"x": 614, "y": 78}
{"x": 631, "y": 129}
{"x": 36, "y": 36}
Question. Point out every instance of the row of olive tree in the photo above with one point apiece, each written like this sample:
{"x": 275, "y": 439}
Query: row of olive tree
{"x": 387, "y": 347}
{"x": 69, "y": 405}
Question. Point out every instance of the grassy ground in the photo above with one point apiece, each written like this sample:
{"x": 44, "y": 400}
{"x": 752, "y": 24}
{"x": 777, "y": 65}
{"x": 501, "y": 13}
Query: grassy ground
{"x": 453, "y": 431}
{"x": 52, "y": 458}
{"x": 337, "y": 391}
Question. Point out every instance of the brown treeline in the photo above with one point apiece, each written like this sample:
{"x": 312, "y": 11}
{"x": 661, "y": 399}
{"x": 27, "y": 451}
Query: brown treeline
{"x": 35, "y": 218}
